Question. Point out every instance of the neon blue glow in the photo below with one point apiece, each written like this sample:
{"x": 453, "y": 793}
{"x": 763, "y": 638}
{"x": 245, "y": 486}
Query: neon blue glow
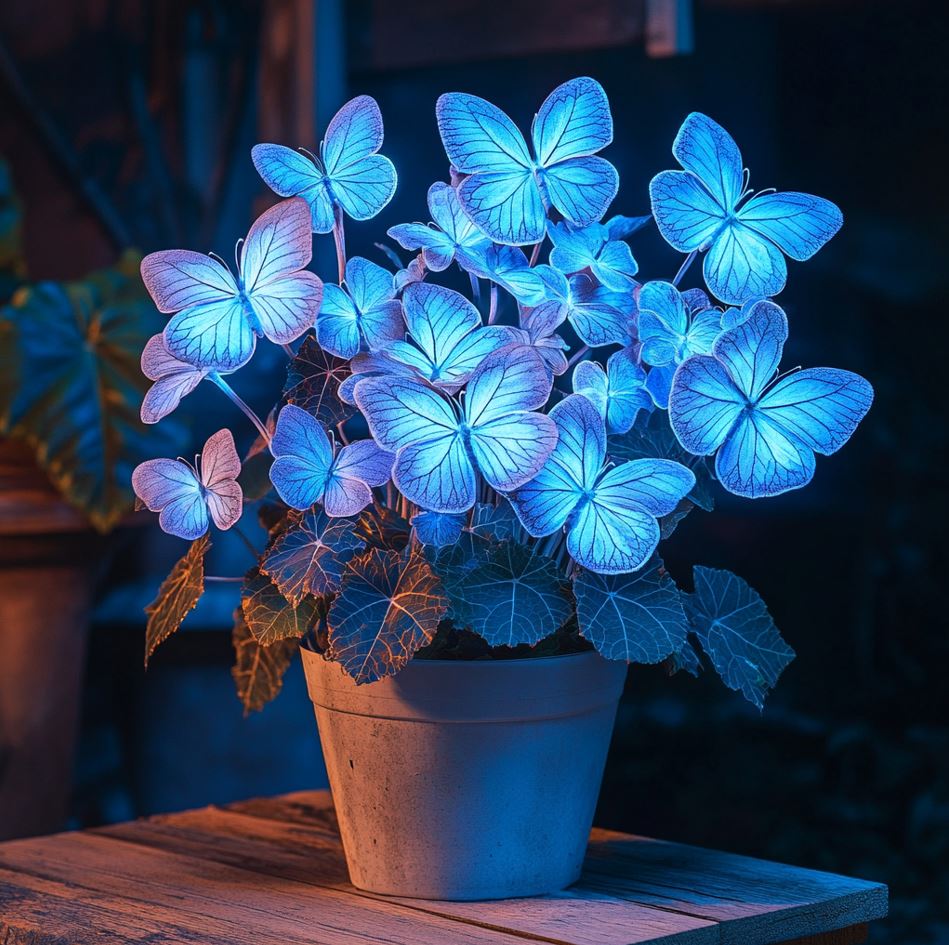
{"x": 597, "y": 314}
{"x": 610, "y": 261}
{"x": 764, "y": 432}
{"x": 439, "y": 444}
{"x": 362, "y": 315}
{"x": 701, "y": 208}
{"x": 452, "y": 237}
{"x": 610, "y": 513}
{"x": 218, "y": 317}
{"x": 618, "y": 392}
{"x": 349, "y": 174}
{"x": 190, "y": 497}
{"x": 308, "y": 470}
{"x": 508, "y": 190}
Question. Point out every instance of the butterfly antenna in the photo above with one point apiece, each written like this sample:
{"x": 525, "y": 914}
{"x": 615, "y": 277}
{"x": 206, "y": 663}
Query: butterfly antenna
{"x": 237, "y": 249}
{"x": 217, "y": 258}
{"x": 313, "y": 157}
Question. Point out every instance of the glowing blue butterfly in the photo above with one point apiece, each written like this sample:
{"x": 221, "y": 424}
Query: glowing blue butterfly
{"x": 448, "y": 342}
{"x": 190, "y": 497}
{"x": 539, "y": 333}
{"x": 765, "y": 433}
{"x": 598, "y": 315}
{"x": 219, "y": 317}
{"x": 455, "y": 237}
{"x": 348, "y": 174}
{"x": 364, "y": 314}
{"x": 618, "y": 393}
{"x": 610, "y": 261}
{"x": 701, "y": 208}
{"x": 308, "y": 470}
{"x": 509, "y": 268}
{"x": 508, "y": 190}
{"x": 673, "y": 326}
{"x": 173, "y": 379}
{"x": 438, "y": 529}
{"x": 440, "y": 444}
{"x": 610, "y": 513}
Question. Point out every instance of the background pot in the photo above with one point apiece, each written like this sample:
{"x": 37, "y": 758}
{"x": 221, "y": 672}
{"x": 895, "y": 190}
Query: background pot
{"x": 48, "y": 561}
{"x": 467, "y": 779}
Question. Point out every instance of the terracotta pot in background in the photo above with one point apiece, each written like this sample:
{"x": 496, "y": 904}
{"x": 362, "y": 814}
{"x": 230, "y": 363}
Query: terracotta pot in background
{"x": 467, "y": 779}
{"x": 49, "y": 558}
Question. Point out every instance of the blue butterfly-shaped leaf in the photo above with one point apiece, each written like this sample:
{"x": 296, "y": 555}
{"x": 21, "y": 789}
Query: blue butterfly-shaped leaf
{"x": 610, "y": 513}
{"x": 598, "y": 315}
{"x": 764, "y": 432}
{"x": 308, "y": 470}
{"x": 620, "y": 227}
{"x": 190, "y": 497}
{"x": 454, "y": 236}
{"x": 447, "y": 341}
{"x": 440, "y": 444}
{"x": 219, "y": 317}
{"x": 702, "y": 208}
{"x": 349, "y": 174}
{"x": 172, "y": 377}
{"x": 438, "y": 529}
{"x": 737, "y": 632}
{"x": 508, "y": 189}
{"x": 363, "y": 315}
{"x": 539, "y": 333}
{"x": 638, "y": 617}
{"x": 673, "y": 326}
{"x": 509, "y": 268}
{"x": 610, "y": 261}
{"x": 618, "y": 392}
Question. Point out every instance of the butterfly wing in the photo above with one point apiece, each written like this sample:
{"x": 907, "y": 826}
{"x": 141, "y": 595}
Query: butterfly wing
{"x": 372, "y": 289}
{"x": 337, "y": 325}
{"x": 304, "y": 458}
{"x": 799, "y": 224}
{"x": 599, "y": 316}
{"x": 501, "y": 195}
{"x": 401, "y": 411}
{"x": 362, "y": 181}
{"x": 216, "y": 336}
{"x": 507, "y": 381}
{"x": 742, "y": 265}
{"x": 170, "y": 487}
{"x": 179, "y": 279}
{"x": 616, "y": 267}
{"x": 704, "y": 329}
{"x": 289, "y": 173}
{"x": 626, "y": 392}
{"x": 687, "y": 215}
{"x": 820, "y": 407}
{"x": 707, "y": 150}
{"x": 704, "y": 404}
{"x": 752, "y": 350}
{"x": 582, "y": 188}
{"x": 436, "y": 473}
{"x": 284, "y": 300}
{"x": 438, "y": 319}
{"x": 173, "y": 379}
{"x": 364, "y": 460}
{"x": 544, "y": 504}
{"x": 574, "y": 121}
{"x": 220, "y": 467}
{"x": 438, "y": 249}
{"x": 447, "y": 212}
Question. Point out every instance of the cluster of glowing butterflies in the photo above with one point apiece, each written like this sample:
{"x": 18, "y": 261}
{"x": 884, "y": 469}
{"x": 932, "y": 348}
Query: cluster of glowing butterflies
{"x": 451, "y": 401}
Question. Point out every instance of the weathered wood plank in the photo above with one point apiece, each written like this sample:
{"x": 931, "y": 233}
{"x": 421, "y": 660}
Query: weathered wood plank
{"x": 309, "y": 852}
{"x": 211, "y": 899}
{"x": 755, "y": 900}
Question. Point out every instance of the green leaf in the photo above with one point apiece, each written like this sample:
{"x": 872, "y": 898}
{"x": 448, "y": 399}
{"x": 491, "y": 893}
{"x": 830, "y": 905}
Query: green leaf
{"x": 313, "y": 379}
{"x": 258, "y": 670}
{"x": 652, "y": 438}
{"x": 634, "y": 617}
{"x": 177, "y": 596}
{"x": 309, "y": 556}
{"x": 75, "y": 386}
{"x": 269, "y": 615}
{"x": 389, "y": 605}
{"x": 509, "y": 596}
{"x": 735, "y": 629}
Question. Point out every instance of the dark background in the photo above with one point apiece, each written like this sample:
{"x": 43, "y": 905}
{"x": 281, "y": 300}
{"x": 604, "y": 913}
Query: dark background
{"x": 847, "y": 769}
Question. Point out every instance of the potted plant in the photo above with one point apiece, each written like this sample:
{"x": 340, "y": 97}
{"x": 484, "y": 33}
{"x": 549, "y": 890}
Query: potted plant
{"x": 70, "y": 435}
{"x": 465, "y": 495}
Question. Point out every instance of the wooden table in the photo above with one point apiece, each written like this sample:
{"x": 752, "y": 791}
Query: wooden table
{"x": 271, "y": 872}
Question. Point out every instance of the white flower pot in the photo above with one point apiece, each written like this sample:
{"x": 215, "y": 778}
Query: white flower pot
{"x": 467, "y": 779}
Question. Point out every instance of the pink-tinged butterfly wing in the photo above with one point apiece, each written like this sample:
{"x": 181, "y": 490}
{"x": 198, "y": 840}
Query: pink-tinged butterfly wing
{"x": 280, "y": 242}
{"x": 220, "y": 467}
{"x": 169, "y": 486}
{"x": 173, "y": 379}
{"x": 177, "y": 279}
{"x": 288, "y": 307}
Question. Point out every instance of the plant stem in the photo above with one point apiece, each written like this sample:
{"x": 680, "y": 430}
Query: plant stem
{"x": 578, "y": 355}
{"x": 291, "y": 354}
{"x": 233, "y": 397}
{"x": 339, "y": 236}
{"x": 684, "y": 268}
{"x": 535, "y": 252}
{"x": 342, "y": 433}
{"x": 493, "y": 308}
{"x": 475, "y": 288}
{"x": 228, "y": 580}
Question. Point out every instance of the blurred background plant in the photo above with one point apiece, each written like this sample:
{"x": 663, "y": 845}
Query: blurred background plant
{"x": 156, "y": 106}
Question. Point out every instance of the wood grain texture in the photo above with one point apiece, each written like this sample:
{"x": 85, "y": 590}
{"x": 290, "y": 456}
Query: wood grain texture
{"x": 272, "y": 870}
